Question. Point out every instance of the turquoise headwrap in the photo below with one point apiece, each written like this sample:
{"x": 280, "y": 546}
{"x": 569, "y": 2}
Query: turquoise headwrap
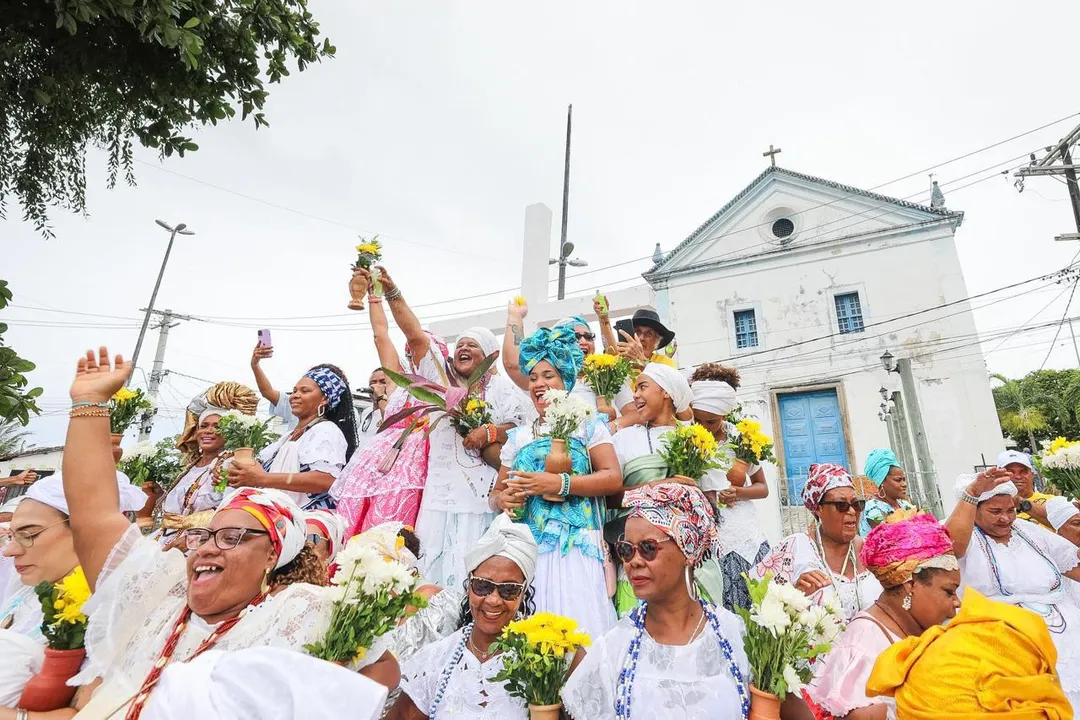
{"x": 572, "y": 322}
{"x": 558, "y": 347}
{"x": 878, "y": 463}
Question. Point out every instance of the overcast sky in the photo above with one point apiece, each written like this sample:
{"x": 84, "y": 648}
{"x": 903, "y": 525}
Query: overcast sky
{"x": 438, "y": 123}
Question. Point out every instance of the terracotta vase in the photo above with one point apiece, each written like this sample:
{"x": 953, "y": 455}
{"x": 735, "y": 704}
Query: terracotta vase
{"x": 48, "y": 689}
{"x": 358, "y": 290}
{"x": 544, "y": 712}
{"x": 243, "y": 457}
{"x": 117, "y": 451}
{"x": 151, "y": 489}
{"x": 763, "y": 705}
{"x": 737, "y": 474}
{"x": 558, "y": 461}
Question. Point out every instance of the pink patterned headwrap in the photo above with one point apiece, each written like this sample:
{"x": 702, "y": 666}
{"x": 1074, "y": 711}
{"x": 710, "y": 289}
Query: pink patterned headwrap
{"x": 823, "y": 478}
{"x": 680, "y": 511}
{"x": 894, "y": 551}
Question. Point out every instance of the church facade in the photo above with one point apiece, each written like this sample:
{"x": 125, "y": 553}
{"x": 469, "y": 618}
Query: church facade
{"x": 803, "y": 284}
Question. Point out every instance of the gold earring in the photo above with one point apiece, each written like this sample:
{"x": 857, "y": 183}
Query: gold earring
{"x": 265, "y": 588}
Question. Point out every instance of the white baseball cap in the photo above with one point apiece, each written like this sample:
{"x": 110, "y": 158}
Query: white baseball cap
{"x": 1014, "y": 456}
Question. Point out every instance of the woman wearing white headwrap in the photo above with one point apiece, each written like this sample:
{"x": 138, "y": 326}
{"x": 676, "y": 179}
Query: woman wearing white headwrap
{"x": 42, "y": 550}
{"x": 729, "y": 489}
{"x": 461, "y": 472}
{"x": 150, "y": 608}
{"x": 261, "y": 683}
{"x": 452, "y": 678}
{"x": 1018, "y": 563}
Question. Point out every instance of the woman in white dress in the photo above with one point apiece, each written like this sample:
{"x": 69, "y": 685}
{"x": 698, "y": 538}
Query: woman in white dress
{"x": 202, "y": 448}
{"x": 42, "y": 550}
{"x": 452, "y": 677}
{"x": 149, "y": 608}
{"x": 570, "y": 578}
{"x": 1018, "y": 563}
{"x": 823, "y": 562}
{"x": 730, "y": 489}
{"x": 675, "y": 655}
{"x": 461, "y": 472}
{"x": 304, "y": 463}
{"x": 912, "y": 558}
{"x": 659, "y": 393}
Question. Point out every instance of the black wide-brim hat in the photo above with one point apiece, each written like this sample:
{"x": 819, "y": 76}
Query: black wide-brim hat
{"x": 649, "y": 319}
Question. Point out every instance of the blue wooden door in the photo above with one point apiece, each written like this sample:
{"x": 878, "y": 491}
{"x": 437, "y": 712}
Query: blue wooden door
{"x": 813, "y": 432}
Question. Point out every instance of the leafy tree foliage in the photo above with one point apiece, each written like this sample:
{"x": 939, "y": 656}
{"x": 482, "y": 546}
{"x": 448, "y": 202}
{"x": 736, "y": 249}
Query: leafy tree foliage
{"x": 110, "y": 73}
{"x": 16, "y": 402}
{"x": 1043, "y": 404}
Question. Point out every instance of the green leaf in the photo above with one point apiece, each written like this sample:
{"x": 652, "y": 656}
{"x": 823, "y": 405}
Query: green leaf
{"x": 193, "y": 22}
{"x": 42, "y": 97}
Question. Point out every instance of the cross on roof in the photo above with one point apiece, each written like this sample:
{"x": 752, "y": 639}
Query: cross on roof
{"x": 771, "y": 154}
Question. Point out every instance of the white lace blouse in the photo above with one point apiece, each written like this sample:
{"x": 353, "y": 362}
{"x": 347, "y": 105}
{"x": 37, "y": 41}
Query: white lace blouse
{"x": 686, "y": 681}
{"x": 469, "y": 693}
{"x": 141, "y": 593}
{"x": 203, "y": 498}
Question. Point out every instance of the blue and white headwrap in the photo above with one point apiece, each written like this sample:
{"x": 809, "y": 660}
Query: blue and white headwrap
{"x": 572, "y": 322}
{"x": 558, "y": 347}
{"x": 330, "y": 383}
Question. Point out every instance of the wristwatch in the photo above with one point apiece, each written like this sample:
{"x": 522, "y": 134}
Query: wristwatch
{"x": 1024, "y": 506}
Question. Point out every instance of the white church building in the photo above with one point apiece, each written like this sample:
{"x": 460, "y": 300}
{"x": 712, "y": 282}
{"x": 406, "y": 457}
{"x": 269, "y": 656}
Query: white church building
{"x": 803, "y": 284}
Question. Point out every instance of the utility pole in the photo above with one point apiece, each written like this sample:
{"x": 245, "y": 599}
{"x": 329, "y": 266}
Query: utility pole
{"x": 1075, "y": 348}
{"x": 918, "y": 432}
{"x": 1046, "y": 166}
{"x": 566, "y": 248}
{"x": 903, "y": 436}
{"x": 146, "y": 424}
{"x": 180, "y": 229}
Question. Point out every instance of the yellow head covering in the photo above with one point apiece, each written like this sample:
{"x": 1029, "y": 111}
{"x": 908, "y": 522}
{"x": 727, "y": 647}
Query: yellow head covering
{"x": 992, "y": 660}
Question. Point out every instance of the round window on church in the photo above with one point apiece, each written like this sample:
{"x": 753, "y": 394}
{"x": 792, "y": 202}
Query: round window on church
{"x": 783, "y": 228}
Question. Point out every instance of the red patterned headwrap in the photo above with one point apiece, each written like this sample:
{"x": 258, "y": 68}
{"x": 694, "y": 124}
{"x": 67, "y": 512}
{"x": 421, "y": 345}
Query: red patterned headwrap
{"x": 823, "y": 478}
{"x": 681, "y": 511}
{"x": 277, "y": 513}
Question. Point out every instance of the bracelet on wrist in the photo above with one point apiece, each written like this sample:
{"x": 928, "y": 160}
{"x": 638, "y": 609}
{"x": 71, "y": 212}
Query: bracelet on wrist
{"x": 106, "y": 405}
{"x": 84, "y": 412}
{"x": 492, "y": 433}
{"x": 565, "y": 489}
{"x": 969, "y": 498}
{"x": 392, "y": 294}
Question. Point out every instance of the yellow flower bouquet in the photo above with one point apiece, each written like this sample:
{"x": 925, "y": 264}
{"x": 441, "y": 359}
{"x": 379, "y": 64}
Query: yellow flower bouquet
{"x": 539, "y": 650}
{"x": 606, "y": 374}
{"x": 750, "y": 444}
{"x": 124, "y": 407}
{"x": 474, "y": 414}
{"x": 64, "y": 625}
{"x": 369, "y": 253}
{"x": 1060, "y": 466}
{"x": 690, "y": 451}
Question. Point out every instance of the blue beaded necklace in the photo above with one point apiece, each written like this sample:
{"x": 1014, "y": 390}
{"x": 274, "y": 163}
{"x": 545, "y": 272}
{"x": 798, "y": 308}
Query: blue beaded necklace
{"x": 1053, "y": 618}
{"x": 444, "y": 679}
{"x": 624, "y": 689}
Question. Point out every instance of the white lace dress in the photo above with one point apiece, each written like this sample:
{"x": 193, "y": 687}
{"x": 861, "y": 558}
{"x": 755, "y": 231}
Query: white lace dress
{"x": 192, "y": 493}
{"x": 22, "y": 646}
{"x": 454, "y": 511}
{"x": 321, "y": 448}
{"x": 1028, "y": 571}
{"x": 139, "y": 596}
{"x": 469, "y": 692}
{"x": 685, "y": 681}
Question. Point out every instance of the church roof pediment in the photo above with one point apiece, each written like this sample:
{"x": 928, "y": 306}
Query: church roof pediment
{"x": 786, "y": 209}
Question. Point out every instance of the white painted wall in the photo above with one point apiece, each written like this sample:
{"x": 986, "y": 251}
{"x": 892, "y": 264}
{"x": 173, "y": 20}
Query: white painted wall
{"x": 31, "y": 459}
{"x": 896, "y": 272}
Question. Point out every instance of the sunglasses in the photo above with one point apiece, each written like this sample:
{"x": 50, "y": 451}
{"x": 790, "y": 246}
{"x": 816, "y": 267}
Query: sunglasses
{"x": 842, "y": 506}
{"x": 647, "y": 548}
{"x": 482, "y": 587}
{"x": 315, "y": 539}
{"x": 585, "y": 335}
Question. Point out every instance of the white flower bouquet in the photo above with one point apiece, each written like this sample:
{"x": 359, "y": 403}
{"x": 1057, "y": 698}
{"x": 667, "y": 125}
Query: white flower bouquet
{"x": 1060, "y": 465}
{"x": 565, "y": 413}
{"x": 784, "y": 634}
{"x": 372, "y": 595}
{"x": 149, "y": 462}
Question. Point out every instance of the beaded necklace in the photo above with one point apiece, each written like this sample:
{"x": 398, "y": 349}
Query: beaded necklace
{"x": 624, "y": 689}
{"x": 167, "y": 651}
{"x": 1053, "y": 618}
{"x": 848, "y": 557}
{"x": 444, "y": 679}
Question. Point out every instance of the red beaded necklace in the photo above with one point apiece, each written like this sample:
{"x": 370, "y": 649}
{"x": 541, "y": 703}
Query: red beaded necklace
{"x": 171, "y": 642}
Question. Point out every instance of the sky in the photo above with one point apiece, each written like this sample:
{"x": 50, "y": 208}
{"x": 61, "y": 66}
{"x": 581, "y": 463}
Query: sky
{"x": 437, "y": 123}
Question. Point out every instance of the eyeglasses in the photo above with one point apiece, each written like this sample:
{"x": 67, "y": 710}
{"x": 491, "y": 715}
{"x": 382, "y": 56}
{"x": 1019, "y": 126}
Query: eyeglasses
{"x": 26, "y": 539}
{"x": 585, "y": 335}
{"x": 648, "y": 549}
{"x": 316, "y": 539}
{"x": 225, "y": 538}
{"x": 842, "y": 506}
{"x": 483, "y": 587}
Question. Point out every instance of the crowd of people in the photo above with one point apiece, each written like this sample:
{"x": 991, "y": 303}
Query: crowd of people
{"x": 210, "y": 613}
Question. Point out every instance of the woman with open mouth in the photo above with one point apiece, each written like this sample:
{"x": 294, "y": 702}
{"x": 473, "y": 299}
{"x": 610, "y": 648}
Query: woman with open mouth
{"x": 570, "y": 576}
{"x": 453, "y": 677}
{"x": 151, "y": 608}
{"x": 675, "y": 655}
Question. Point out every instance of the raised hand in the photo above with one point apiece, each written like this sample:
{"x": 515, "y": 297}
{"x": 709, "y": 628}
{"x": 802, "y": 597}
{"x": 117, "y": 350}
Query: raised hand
{"x": 987, "y": 480}
{"x": 631, "y": 348}
{"x": 389, "y": 286}
{"x": 517, "y": 310}
{"x": 96, "y": 380}
{"x": 261, "y": 352}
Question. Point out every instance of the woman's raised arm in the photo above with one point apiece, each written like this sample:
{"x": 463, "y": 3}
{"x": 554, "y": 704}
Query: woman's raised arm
{"x": 380, "y": 328}
{"x": 406, "y": 319}
{"x": 89, "y": 471}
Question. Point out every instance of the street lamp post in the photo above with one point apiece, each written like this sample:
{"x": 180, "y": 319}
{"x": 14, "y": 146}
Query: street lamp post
{"x": 180, "y": 229}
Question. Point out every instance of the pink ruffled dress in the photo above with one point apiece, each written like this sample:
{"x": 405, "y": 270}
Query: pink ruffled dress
{"x": 839, "y": 684}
